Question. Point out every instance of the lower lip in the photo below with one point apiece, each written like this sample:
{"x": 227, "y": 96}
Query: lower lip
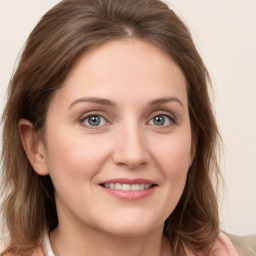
{"x": 129, "y": 194}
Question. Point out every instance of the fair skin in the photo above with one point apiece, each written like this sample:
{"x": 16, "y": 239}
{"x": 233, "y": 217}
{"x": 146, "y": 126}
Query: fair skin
{"x": 120, "y": 117}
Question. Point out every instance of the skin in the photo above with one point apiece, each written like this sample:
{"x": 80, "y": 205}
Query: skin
{"x": 127, "y": 143}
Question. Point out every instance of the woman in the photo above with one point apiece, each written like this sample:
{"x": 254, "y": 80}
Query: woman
{"x": 109, "y": 140}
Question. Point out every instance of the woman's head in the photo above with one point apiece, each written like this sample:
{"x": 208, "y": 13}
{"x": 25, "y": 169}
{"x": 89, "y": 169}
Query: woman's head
{"x": 64, "y": 38}
{"x": 117, "y": 139}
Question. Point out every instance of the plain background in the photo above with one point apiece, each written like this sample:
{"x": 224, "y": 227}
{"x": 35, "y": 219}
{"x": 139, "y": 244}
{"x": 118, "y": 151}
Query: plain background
{"x": 225, "y": 35}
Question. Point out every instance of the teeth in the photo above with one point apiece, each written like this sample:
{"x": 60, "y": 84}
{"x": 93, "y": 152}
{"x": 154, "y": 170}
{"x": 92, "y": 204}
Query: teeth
{"x": 127, "y": 187}
{"x": 118, "y": 186}
{"x": 107, "y": 185}
{"x": 142, "y": 186}
{"x": 135, "y": 187}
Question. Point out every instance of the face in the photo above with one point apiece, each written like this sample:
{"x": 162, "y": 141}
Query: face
{"x": 118, "y": 140}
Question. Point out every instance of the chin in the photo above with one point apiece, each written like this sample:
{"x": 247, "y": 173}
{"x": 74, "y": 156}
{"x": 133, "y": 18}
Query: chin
{"x": 133, "y": 227}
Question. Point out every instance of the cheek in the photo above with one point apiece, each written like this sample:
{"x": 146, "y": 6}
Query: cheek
{"x": 175, "y": 165}
{"x": 174, "y": 155}
{"x": 174, "y": 158}
{"x": 74, "y": 157}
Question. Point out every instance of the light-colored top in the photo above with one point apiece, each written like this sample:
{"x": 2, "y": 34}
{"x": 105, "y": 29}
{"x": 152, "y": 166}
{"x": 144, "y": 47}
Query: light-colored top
{"x": 46, "y": 246}
{"x": 222, "y": 247}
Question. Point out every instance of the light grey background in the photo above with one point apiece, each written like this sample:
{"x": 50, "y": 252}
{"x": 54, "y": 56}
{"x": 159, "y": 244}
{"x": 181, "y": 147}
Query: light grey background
{"x": 225, "y": 35}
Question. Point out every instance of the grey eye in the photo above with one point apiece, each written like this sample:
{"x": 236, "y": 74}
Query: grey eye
{"x": 95, "y": 120}
{"x": 160, "y": 120}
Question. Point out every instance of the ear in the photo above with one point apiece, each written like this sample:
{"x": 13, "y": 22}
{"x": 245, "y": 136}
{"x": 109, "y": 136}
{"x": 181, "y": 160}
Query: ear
{"x": 33, "y": 147}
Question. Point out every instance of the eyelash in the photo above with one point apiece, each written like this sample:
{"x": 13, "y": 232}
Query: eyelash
{"x": 171, "y": 118}
{"x": 84, "y": 118}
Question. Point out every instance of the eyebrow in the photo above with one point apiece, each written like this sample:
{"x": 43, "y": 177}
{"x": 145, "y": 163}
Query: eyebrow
{"x": 96, "y": 100}
{"x": 107, "y": 102}
{"x": 165, "y": 100}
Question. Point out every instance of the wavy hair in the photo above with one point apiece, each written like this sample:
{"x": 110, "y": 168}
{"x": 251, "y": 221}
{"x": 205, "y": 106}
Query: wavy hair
{"x": 63, "y": 34}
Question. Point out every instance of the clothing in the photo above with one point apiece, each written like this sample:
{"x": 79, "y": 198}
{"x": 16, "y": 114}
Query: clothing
{"x": 46, "y": 246}
{"x": 222, "y": 247}
{"x": 245, "y": 245}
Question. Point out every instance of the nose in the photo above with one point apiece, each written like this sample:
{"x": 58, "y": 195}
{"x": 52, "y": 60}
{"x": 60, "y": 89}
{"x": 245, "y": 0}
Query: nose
{"x": 130, "y": 148}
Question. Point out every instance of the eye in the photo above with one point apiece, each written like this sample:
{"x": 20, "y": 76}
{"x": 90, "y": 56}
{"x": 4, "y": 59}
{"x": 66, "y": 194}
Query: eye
{"x": 93, "y": 121}
{"x": 161, "y": 120}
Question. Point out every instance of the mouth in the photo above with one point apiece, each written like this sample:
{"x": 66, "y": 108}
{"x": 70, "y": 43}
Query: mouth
{"x": 128, "y": 187}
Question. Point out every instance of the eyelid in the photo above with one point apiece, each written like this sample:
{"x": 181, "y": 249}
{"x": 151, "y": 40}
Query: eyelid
{"x": 93, "y": 113}
{"x": 164, "y": 113}
{"x": 168, "y": 114}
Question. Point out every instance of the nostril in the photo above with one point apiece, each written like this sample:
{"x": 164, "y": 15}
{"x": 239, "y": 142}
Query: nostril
{"x": 136, "y": 165}
{"x": 133, "y": 155}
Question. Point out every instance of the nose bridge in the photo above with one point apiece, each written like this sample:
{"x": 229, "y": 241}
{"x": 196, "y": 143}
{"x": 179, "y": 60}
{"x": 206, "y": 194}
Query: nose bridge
{"x": 130, "y": 148}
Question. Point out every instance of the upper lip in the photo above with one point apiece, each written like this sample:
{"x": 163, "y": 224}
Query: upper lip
{"x": 129, "y": 181}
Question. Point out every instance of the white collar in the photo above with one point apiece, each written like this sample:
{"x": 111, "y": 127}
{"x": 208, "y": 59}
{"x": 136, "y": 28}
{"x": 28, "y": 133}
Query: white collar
{"x": 46, "y": 245}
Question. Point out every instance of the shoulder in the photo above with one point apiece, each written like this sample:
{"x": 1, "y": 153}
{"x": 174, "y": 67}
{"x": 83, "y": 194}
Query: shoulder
{"x": 223, "y": 246}
{"x": 245, "y": 245}
{"x": 37, "y": 252}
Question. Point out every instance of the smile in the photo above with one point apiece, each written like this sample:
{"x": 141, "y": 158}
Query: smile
{"x": 127, "y": 187}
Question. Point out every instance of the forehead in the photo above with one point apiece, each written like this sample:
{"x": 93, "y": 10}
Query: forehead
{"x": 125, "y": 68}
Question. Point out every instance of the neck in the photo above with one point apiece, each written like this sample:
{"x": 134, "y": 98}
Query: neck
{"x": 67, "y": 242}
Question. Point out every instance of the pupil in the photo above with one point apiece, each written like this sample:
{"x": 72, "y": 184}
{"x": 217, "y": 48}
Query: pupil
{"x": 159, "y": 120}
{"x": 94, "y": 120}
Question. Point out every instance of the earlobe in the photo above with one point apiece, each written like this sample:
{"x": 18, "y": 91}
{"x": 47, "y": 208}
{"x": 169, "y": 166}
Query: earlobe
{"x": 33, "y": 147}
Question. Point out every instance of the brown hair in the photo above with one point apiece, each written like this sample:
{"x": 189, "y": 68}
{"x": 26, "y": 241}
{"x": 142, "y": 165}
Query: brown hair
{"x": 52, "y": 49}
